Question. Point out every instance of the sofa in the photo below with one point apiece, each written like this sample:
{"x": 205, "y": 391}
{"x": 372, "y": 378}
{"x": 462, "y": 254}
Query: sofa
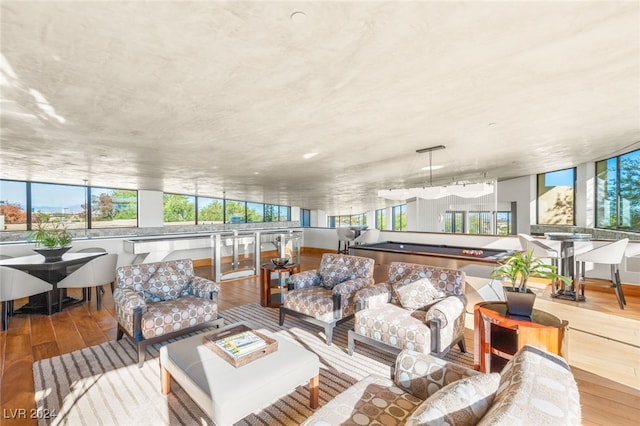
{"x": 419, "y": 307}
{"x": 163, "y": 300}
{"x": 534, "y": 388}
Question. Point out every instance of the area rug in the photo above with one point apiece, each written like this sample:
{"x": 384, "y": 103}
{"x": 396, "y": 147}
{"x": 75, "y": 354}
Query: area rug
{"x": 102, "y": 385}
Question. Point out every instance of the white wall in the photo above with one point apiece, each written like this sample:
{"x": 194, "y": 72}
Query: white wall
{"x": 519, "y": 190}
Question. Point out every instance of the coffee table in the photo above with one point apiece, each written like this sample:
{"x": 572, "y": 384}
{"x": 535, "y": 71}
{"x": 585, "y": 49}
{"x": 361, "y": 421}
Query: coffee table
{"x": 226, "y": 393}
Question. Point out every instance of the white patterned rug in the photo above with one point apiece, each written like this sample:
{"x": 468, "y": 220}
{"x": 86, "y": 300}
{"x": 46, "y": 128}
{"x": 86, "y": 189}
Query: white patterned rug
{"x": 102, "y": 385}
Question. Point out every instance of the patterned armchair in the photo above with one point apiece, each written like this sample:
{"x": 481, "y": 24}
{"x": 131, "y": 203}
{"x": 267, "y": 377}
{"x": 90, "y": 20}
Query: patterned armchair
{"x": 420, "y": 307}
{"x": 161, "y": 300}
{"x": 326, "y": 296}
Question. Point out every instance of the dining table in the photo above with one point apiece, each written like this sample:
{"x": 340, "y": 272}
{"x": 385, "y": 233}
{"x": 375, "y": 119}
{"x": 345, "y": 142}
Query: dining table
{"x": 567, "y": 263}
{"x": 52, "y": 272}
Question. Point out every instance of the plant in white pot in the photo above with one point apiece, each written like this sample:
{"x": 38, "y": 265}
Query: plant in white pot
{"x": 52, "y": 240}
{"x": 517, "y": 268}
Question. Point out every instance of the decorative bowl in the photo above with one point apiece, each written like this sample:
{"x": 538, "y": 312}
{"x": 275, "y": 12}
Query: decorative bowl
{"x": 52, "y": 254}
{"x": 280, "y": 262}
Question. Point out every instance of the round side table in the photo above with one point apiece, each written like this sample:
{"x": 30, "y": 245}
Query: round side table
{"x": 274, "y": 283}
{"x": 498, "y": 336}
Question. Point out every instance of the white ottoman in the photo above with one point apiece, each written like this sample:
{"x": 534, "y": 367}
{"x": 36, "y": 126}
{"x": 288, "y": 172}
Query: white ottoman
{"x": 228, "y": 394}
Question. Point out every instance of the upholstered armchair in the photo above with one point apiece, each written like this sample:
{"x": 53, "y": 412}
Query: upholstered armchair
{"x": 419, "y": 307}
{"x": 326, "y": 296}
{"x": 161, "y": 300}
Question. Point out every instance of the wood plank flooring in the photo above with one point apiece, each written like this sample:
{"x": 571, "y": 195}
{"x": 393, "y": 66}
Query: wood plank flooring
{"x": 604, "y": 349}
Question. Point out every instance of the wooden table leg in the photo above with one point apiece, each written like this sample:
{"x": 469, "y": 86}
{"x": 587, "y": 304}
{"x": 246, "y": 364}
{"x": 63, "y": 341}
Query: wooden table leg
{"x": 314, "y": 391}
{"x": 165, "y": 379}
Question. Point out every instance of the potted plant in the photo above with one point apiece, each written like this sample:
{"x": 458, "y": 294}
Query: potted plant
{"x": 517, "y": 268}
{"x": 52, "y": 240}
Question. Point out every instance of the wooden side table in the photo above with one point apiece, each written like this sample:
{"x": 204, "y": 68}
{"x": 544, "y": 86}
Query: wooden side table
{"x": 274, "y": 283}
{"x": 498, "y": 336}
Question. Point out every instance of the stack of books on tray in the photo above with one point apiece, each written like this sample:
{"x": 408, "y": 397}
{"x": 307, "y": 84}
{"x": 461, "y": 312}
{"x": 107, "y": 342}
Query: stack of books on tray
{"x": 241, "y": 344}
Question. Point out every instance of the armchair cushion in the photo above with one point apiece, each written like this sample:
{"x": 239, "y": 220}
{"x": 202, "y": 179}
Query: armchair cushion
{"x": 166, "y": 283}
{"x": 461, "y": 403}
{"x": 305, "y": 279}
{"x": 177, "y": 314}
{"x": 335, "y": 269}
{"x": 417, "y": 294}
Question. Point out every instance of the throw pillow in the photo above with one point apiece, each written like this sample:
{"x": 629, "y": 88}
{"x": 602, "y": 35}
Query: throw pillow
{"x": 415, "y": 294}
{"x": 460, "y": 403}
{"x": 166, "y": 283}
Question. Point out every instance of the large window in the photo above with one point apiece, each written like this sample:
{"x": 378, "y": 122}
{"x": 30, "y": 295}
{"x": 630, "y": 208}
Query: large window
{"x": 347, "y": 220}
{"x": 306, "y": 217}
{"x": 235, "y": 211}
{"x": 179, "y": 209}
{"x": 504, "y": 223}
{"x": 399, "y": 217}
{"x": 479, "y": 222}
{"x": 65, "y": 204}
{"x": 556, "y": 194}
{"x": 454, "y": 222}
{"x": 381, "y": 219}
{"x": 617, "y": 193}
{"x": 112, "y": 208}
{"x": 285, "y": 213}
{"x": 255, "y": 212}
{"x": 210, "y": 210}
{"x": 13, "y": 205}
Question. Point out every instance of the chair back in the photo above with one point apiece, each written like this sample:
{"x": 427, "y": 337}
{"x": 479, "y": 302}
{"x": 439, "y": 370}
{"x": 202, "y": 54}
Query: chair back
{"x": 451, "y": 281}
{"x": 369, "y": 236}
{"x": 611, "y": 254}
{"x": 101, "y": 270}
{"x": 15, "y": 284}
{"x": 345, "y": 234}
{"x": 92, "y": 250}
{"x": 540, "y": 249}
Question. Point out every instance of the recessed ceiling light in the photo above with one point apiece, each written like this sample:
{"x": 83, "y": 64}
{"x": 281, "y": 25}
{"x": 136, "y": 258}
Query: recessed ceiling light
{"x": 256, "y": 173}
{"x": 298, "y": 17}
{"x": 432, "y": 168}
{"x": 309, "y": 155}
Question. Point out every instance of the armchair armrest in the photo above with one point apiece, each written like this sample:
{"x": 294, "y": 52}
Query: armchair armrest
{"x": 351, "y": 286}
{"x": 373, "y": 296}
{"x": 128, "y": 300}
{"x": 423, "y": 374}
{"x": 304, "y": 279}
{"x": 205, "y": 288}
{"x": 446, "y": 321}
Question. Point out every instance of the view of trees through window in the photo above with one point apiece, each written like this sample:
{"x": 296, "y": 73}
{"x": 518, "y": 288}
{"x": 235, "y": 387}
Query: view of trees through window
{"x": 113, "y": 208}
{"x": 399, "y": 217}
{"x": 13, "y": 205}
{"x": 454, "y": 222}
{"x": 381, "y": 219}
{"x": 556, "y": 197}
{"x": 617, "y": 194}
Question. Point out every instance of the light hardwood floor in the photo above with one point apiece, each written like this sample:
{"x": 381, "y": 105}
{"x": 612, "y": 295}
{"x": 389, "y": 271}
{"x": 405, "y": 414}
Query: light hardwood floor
{"x": 604, "y": 346}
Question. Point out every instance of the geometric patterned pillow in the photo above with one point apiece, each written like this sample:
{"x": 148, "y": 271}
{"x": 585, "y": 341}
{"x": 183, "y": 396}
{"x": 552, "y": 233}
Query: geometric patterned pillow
{"x": 416, "y": 294}
{"x": 165, "y": 284}
{"x": 460, "y": 403}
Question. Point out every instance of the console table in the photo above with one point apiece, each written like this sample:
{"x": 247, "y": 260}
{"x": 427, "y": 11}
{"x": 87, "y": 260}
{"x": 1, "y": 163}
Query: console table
{"x": 274, "y": 283}
{"x": 497, "y": 336}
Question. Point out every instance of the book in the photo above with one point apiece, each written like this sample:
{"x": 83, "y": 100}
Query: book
{"x": 240, "y": 344}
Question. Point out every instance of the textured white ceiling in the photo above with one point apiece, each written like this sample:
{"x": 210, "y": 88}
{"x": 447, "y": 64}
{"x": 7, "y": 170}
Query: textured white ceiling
{"x": 224, "y": 98}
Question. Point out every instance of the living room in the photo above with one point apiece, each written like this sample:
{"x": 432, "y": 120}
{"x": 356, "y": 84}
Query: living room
{"x": 259, "y": 122}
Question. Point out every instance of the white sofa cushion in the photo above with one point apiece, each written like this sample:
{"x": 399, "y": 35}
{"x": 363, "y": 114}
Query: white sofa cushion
{"x": 460, "y": 403}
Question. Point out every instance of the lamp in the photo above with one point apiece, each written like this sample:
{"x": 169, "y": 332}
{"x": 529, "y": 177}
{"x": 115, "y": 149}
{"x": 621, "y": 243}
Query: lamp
{"x": 466, "y": 190}
{"x": 473, "y": 190}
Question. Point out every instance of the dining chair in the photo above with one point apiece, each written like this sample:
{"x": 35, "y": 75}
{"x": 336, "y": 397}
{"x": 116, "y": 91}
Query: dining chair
{"x": 609, "y": 254}
{"x": 86, "y": 293}
{"x": 96, "y": 273}
{"x": 16, "y": 284}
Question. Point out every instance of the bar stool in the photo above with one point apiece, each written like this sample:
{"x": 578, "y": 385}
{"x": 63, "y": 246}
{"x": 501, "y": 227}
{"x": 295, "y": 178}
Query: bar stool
{"x": 609, "y": 254}
{"x": 346, "y": 236}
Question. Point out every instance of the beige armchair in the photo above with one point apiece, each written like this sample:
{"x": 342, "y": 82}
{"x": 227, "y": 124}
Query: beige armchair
{"x": 420, "y": 308}
{"x": 162, "y": 300}
{"x": 326, "y": 296}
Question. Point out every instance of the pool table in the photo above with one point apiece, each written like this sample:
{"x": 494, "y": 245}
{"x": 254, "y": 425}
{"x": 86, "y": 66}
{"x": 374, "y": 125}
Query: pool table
{"x": 451, "y": 257}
